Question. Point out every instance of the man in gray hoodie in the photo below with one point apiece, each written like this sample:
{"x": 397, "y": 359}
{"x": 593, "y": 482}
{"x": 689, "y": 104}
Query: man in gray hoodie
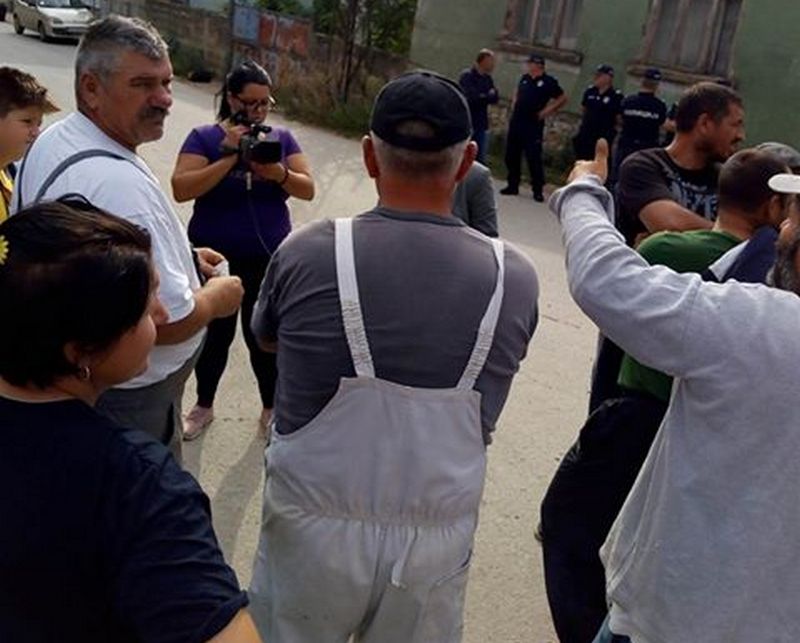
{"x": 705, "y": 545}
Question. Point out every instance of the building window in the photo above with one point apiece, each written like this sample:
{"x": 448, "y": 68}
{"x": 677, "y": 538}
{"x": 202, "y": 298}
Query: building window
{"x": 550, "y": 23}
{"x": 692, "y": 35}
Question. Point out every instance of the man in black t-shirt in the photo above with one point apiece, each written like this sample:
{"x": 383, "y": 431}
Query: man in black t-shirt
{"x": 673, "y": 189}
{"x": 538, "y": 96}
{"x": 643, "y": 114}
{"x": 601, "y": 112}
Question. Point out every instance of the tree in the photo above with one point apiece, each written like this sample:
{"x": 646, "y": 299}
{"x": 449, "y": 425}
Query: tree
{"x": 360, "y": 27}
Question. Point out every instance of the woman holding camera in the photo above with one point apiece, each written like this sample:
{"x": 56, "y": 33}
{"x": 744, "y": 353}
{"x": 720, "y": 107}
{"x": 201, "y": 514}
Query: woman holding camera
{"x": 104, "y": 536}
{"x": 240, "y": 209}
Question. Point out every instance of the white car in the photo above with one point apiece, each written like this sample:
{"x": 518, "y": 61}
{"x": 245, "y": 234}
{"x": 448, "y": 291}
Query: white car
{"x": 52, "y": 18}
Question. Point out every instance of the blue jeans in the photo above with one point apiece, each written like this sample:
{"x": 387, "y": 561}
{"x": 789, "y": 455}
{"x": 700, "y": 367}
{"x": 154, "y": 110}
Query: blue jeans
{"x": 481, "y": 137}
{"x": 605, "y": 635}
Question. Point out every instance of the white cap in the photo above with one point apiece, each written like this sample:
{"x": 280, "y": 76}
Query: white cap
{"x": 785, "y": 183}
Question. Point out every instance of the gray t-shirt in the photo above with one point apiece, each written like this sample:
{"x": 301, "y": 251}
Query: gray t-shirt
{"x": 425, "y": 282}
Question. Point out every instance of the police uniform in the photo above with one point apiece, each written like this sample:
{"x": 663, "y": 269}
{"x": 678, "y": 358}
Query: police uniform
{"x": 526, "y": 130}
{"x": 643, "y": 114}
{"x": 599, "y": 120}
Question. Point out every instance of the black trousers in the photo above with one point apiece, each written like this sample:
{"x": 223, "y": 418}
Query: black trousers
{"x": 220, "y": 336}
{"x": 525, "y": 139}
{"x": 581, "y": 504}
{"x": 605, "y": 373}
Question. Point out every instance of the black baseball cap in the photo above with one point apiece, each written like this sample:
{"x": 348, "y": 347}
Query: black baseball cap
{"x": 536, "y": 58}
{"x": 605, "y": 69}
{"x": 422, "y": 96}
{"x": 653, "y": 73}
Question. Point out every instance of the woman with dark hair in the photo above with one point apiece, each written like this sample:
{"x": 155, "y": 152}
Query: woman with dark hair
{"x": 103, "y": 537}
{"x": 240, "y": 209}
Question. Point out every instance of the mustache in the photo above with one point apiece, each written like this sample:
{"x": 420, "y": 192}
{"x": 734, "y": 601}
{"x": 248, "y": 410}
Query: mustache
{"x": 151, "y": 113}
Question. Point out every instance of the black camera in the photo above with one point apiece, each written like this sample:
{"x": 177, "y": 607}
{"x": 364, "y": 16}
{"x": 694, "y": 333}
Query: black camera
{"x": 258, "y": 145}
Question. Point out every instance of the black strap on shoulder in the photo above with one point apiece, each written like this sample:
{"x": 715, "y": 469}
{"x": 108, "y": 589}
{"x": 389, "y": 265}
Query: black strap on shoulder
{"x": 59, "y": 170}
{"x": 708, "y": 275}
{"x": 69, "y": 161}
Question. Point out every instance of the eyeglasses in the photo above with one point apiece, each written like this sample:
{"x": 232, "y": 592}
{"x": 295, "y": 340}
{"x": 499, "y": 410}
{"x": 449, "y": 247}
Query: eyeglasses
{"x": 265, "y": 103}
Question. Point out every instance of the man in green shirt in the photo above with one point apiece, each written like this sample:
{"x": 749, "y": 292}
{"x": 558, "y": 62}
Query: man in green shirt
{"x": 597, "y": 473}
{"x": 692, "y": 251}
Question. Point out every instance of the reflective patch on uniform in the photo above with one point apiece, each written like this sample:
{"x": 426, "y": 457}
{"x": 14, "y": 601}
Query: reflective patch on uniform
{"x": 641, "y": 113}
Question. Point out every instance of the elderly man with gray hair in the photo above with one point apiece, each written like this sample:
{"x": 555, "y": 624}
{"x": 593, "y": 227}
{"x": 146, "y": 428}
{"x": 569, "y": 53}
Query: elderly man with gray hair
{"x": 399, "y": 331}
{"x": 123, "y": 92}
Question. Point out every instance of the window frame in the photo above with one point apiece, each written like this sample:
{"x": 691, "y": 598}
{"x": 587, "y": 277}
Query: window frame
{"x": 711, "y": 40}
{"x": 527, "y": 33}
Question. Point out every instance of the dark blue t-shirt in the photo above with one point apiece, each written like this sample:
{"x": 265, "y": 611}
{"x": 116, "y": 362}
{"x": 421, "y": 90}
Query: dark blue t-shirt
{"x": 102, "y": 536}
{"x": 230, "y": 219}
{"x": 600, "y": 114}
{"x": 533, "y": 94}
{"x": 643, "y": 114}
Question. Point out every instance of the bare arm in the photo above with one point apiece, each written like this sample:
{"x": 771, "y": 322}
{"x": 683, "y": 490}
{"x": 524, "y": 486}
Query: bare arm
{"x": 220, "y": 297}
{"x": 667, "y": 215}
{"x": 553, "y": 106}
{"x": 194, "y": 175}
{"x": 240, "y": 630}
{"x": 297, "y": 172}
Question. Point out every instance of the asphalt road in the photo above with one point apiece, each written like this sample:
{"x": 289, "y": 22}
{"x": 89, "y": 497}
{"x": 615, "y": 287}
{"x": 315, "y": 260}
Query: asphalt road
{"x": 506, "y": 600}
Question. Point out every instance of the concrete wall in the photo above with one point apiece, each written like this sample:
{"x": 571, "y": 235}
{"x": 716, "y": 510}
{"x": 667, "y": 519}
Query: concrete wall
{"x": 448, "y": 34}
{"x": 196, "y": 30}
{"x": 767, "y": 69}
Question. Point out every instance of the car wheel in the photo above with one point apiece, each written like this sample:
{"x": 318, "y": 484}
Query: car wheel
{"x": 42, "y": 33}
{"x": 18, "y": 25}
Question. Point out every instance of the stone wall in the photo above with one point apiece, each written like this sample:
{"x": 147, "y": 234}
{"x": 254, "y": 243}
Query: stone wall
{"x": 197, "y": 37}
{"x": 210, "y": 40}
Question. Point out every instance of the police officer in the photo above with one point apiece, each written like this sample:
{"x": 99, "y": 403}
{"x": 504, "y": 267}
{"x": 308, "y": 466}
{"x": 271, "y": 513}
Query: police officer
{"x": 643, "y": 114}
{"x": 538, "y": 96}
{"x": 601, "y": 110}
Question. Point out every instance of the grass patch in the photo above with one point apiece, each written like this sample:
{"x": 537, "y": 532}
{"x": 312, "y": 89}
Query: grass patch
{"x": 311, "y": 98}
{"x": 188, "y": 62}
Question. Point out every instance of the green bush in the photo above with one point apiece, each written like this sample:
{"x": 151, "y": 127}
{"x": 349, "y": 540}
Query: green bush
{"x": 185, "y": 59}
{"x": 309, "y": 97}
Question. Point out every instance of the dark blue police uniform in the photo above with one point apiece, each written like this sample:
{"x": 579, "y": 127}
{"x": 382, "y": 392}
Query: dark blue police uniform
{"x": 643, "y": 114}
{"x": 526, "y": 130}
{"x": 601, "y": 110}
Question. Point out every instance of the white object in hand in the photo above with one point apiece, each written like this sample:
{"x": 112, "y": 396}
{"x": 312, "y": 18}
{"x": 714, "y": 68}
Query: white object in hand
{"x": 222, "y": 269}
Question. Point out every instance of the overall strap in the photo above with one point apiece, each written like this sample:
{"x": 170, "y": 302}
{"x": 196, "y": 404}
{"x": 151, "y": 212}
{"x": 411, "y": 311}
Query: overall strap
{"x": 483, "y": 344}
{"x": 352, "y": 315}
{"x": 61, "y": 167}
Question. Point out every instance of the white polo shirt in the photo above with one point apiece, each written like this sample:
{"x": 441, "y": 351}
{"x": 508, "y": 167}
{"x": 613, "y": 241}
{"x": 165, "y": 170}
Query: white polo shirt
{"x": 129, "y": 190}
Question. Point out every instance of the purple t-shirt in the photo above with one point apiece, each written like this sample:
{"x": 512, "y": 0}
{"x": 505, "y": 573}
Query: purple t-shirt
{"x": 230, "y": 219}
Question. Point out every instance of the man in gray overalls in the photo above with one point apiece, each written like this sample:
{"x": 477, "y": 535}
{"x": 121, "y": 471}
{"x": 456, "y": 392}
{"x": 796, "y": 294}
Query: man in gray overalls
{"x": 399, "y": 334}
